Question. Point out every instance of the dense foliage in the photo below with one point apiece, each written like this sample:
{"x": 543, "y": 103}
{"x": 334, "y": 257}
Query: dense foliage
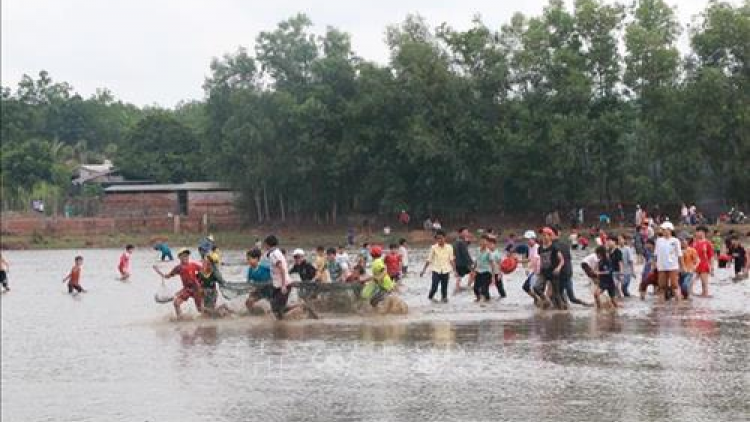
{"x": 584, "y": 105}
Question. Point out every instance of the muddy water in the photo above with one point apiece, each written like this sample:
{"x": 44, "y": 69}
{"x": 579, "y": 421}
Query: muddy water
{"x": 113, "y": 354}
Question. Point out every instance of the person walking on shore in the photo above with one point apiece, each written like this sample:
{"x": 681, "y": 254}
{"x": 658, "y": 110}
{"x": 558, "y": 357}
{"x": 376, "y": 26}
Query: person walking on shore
{"x": 443, "y": 262}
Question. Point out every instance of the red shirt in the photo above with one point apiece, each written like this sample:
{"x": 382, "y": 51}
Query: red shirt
{"x": 705, "y": 251}
{"x": 188, "y": 274}
{"x": 124, "y": 262}
{"x": 75, "y": 275}
{"x": 393, "y": 263}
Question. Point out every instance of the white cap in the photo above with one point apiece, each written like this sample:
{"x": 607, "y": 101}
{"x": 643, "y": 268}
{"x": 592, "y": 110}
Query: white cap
{"x": 298, "y": 252}
{"x": 529, "y": 234}
{"x": 667, "y": 226}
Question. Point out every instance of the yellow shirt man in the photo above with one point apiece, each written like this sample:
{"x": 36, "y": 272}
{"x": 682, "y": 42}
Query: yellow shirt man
{"x": 441, "y": 258}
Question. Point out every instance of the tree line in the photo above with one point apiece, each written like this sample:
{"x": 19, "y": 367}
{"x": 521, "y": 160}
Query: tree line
{"x": 589, "y": 104}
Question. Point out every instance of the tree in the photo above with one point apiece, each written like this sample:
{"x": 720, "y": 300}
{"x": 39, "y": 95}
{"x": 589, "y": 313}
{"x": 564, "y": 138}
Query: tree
{"x": 161, "y": 148}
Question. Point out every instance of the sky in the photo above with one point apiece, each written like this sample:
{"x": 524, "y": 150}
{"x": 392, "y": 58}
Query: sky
{"x": 157, "y": 52}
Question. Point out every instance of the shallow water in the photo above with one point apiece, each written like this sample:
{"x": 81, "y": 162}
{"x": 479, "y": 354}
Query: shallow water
{"x": 113, "y": 354}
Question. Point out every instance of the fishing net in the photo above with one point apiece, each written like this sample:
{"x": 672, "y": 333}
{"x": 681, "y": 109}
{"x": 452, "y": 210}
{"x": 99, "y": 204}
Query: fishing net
{"x": 324, "y": 297}
{"x": 163, "y": 294}
{"x": 233, "y": 290}
{"x": 331, "y": 297}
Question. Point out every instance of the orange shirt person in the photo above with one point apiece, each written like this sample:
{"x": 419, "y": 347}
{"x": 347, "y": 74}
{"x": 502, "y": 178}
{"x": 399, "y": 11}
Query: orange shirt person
{"x": 124, "y": 265}
{"x": 74, "y": 278}
{"x": 191, "y": 287}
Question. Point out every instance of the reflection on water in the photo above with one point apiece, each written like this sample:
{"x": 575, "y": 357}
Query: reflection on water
{"x": 123, "y": 360}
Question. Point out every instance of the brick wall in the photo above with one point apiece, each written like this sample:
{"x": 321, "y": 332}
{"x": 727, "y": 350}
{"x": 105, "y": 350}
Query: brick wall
{"x": 211, "y": 203}
{"x": 140, "y": 204}
{"x": 159, "y": 204}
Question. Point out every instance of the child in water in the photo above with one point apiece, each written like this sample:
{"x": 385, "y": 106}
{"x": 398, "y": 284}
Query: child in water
{"x": 393, "y": 263}
{"x": 380, "y": 284}
{"x": 124, "y": 266}
{"x": 209, "y": 278}
{"x": 74, "y": 278}
{"x": 4, "y": 267}
{"x": 606, "y": 278}
{"x": 191, "y": 287}
{"x": 166, "y": 253}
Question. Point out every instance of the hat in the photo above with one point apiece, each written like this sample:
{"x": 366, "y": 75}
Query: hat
{"x": 183, "y": 251}
{"x": 376, "y": 251}
{"x": 211, "y": 237}
{"x": 667, "y": 225}
{"x": 529, "y": 234}
{"x": 298, "y": 252}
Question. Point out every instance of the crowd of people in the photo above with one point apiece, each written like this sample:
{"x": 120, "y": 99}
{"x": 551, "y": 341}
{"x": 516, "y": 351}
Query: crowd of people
{"x": 673, "y": 264}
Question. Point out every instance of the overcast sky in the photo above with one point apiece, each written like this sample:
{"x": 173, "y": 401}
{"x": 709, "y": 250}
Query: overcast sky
{"x": 158, "y": 51}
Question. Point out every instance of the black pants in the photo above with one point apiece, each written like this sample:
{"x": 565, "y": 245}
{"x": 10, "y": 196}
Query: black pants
{"x": 482, "y": 285}
{"x": 557, "y": 299}
{"x": 76, "y": 287}
{"x": 566, "y": 286}
{"x": 278, "y": 302}
{"x": 500, "y": 286}
{"x": 739, "y": 265}
{"x": 442, "y": 280}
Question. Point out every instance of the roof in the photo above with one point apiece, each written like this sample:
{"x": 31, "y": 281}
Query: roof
{"x": 105, "y": 167}
{"x": 171, "y": 187}
{"x": 94, "y": 171}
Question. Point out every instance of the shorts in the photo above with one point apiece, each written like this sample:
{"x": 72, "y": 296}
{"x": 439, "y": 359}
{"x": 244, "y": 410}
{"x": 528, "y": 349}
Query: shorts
{"x": 378, "y": 296}
{"x": 209, "y": 298}
{"x": 187, "y": 292}
{"x": 648, "y": 279}
{"x": 608, "y": 285}
{"x": 262, "y": 292}
{"x": 669, "y": 279}
{"x": 278, "y": 302}
{"x": 395, "y": 277}
{"x": 703, "y": 268}
{"x": 589, "y": 271}
{"x": 462, "y": 270}
{"x": 3, "y": 278}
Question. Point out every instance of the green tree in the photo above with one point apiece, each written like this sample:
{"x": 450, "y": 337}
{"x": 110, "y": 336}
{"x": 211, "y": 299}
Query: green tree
{"x": 161, "y": 148}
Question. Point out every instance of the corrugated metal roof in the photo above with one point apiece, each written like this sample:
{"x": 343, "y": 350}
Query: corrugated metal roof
{"x": 187, "y": 186}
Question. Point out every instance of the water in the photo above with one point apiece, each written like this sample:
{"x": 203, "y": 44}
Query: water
{"x": 113, "y": 354}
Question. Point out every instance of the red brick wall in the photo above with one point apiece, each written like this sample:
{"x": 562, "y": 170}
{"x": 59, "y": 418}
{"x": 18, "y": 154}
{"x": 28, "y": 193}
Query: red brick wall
{"x": 140, "y": 204}
{"x": 159, "y": 204}
{"x": 211, "y": 203}
{"x": 133, "y": 213}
